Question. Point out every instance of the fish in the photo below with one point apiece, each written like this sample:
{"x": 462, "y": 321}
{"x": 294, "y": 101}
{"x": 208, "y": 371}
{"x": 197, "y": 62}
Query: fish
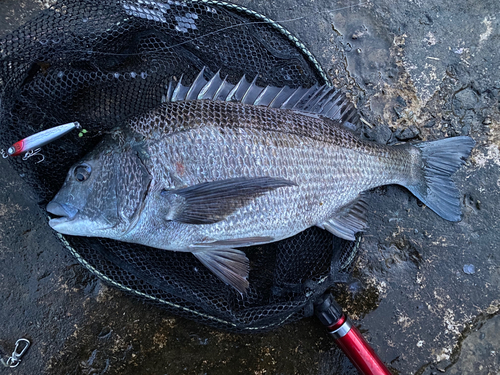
{"x": 218, "y": 167}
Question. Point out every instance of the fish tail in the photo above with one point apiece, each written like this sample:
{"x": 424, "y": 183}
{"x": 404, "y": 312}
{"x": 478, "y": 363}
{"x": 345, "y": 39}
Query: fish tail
{"x": 435, "y": 188}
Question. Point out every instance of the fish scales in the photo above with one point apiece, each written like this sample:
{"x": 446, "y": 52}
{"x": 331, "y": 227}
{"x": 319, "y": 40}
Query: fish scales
{"x": 328, "y": 172}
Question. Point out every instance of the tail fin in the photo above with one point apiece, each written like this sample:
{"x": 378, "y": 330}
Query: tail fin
{"x": 440, "y": 159}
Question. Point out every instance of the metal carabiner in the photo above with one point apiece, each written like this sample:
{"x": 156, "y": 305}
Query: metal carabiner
{"x": 19, "y": 350}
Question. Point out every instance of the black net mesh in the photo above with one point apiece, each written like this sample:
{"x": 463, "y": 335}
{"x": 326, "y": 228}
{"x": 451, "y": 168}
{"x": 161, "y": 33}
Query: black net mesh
{"x": 101, "y": 62}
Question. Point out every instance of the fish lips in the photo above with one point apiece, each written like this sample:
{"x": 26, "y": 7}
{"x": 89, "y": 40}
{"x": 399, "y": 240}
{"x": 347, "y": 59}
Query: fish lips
{"x": 65, "y": 212}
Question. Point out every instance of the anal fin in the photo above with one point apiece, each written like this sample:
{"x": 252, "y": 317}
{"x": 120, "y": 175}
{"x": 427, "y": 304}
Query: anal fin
{"x": 348, "y": 220}
{"x": 230, "y": 265}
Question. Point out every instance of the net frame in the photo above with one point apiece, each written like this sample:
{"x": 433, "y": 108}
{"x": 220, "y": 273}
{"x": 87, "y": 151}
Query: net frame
{"x": 287, "y": 276}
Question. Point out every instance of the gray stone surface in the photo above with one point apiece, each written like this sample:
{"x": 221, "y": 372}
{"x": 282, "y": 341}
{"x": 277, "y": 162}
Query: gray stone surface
{"x": 417, "y": 70}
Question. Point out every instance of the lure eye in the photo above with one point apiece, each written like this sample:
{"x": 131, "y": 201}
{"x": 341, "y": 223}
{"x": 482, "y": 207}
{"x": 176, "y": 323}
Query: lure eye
{"x": 82, "y": 172}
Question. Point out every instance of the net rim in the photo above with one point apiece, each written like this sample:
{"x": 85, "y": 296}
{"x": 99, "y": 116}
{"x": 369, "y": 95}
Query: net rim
{"x": 234, "y": 326}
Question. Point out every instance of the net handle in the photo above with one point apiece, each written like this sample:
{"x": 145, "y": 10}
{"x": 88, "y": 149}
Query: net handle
{"x": 348, "y": 338}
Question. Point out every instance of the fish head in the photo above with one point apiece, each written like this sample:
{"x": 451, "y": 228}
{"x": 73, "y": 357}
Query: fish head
{"x": 103, "y": 194}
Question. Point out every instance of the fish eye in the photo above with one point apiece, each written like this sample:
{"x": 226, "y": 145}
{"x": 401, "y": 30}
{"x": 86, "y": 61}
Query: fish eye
{"x": 82, "y": 172}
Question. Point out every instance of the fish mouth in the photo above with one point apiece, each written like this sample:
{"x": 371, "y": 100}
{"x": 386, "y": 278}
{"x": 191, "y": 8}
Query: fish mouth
{"x": 64, "y": 213}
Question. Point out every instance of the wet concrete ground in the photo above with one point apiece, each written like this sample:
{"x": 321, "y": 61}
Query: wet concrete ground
{"x": 417, "y": 70}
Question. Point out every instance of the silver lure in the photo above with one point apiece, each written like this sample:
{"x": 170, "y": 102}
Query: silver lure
{"x": 41, "y": 138}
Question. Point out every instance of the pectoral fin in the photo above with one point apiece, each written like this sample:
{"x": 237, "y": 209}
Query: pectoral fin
{"x": 230, "y": 265}
{"x": 349, "y": 220}
{"x": 210, "y": 202}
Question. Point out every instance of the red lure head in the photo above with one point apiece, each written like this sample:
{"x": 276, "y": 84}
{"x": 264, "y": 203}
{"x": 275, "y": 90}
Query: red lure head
{"x": 16, "y": 149}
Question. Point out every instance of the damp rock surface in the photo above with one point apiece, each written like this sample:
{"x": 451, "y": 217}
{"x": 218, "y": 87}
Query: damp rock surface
{"x": 417, "y": 71}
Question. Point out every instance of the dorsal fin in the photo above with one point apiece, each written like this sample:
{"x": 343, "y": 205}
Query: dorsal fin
{"x": 325, "y": 100}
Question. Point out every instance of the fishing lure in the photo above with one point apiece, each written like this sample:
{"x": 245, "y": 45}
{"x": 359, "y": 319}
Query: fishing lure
{"x": 41, "y": 138}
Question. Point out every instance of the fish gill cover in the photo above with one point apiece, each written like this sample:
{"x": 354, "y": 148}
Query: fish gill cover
{"x": 103, "y": 62}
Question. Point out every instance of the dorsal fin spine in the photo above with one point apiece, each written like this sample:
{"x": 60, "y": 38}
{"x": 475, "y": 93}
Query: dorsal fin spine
{"x": 318, "y": 100}
{"x": 246, "y": 97}
{"x": 283, "y": 89}
{"x": 314, "y": 98}
{"x": 333, "y": 109}
{"x": 212, "y": 86}
{"x": 193, "y": 89}
{"x": 260, "y": 100}
{"x": 328, "y": 101}
{"x": 220, "y": 89}
{"x": 232, "y": 93}
{"x": 321, "y": 102}
{"x": 304, "y": 97}
{"x": 298, "y": 91}
{"x": 177, "y": 89}
{"x": 170, "y": 91}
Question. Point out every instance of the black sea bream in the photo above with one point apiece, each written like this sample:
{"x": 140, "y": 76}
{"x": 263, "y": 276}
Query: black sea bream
{"x": 208, "y": 176}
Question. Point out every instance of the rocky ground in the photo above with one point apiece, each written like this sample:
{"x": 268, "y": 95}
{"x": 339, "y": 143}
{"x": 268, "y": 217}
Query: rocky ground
{"x": 426, "y": 292}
